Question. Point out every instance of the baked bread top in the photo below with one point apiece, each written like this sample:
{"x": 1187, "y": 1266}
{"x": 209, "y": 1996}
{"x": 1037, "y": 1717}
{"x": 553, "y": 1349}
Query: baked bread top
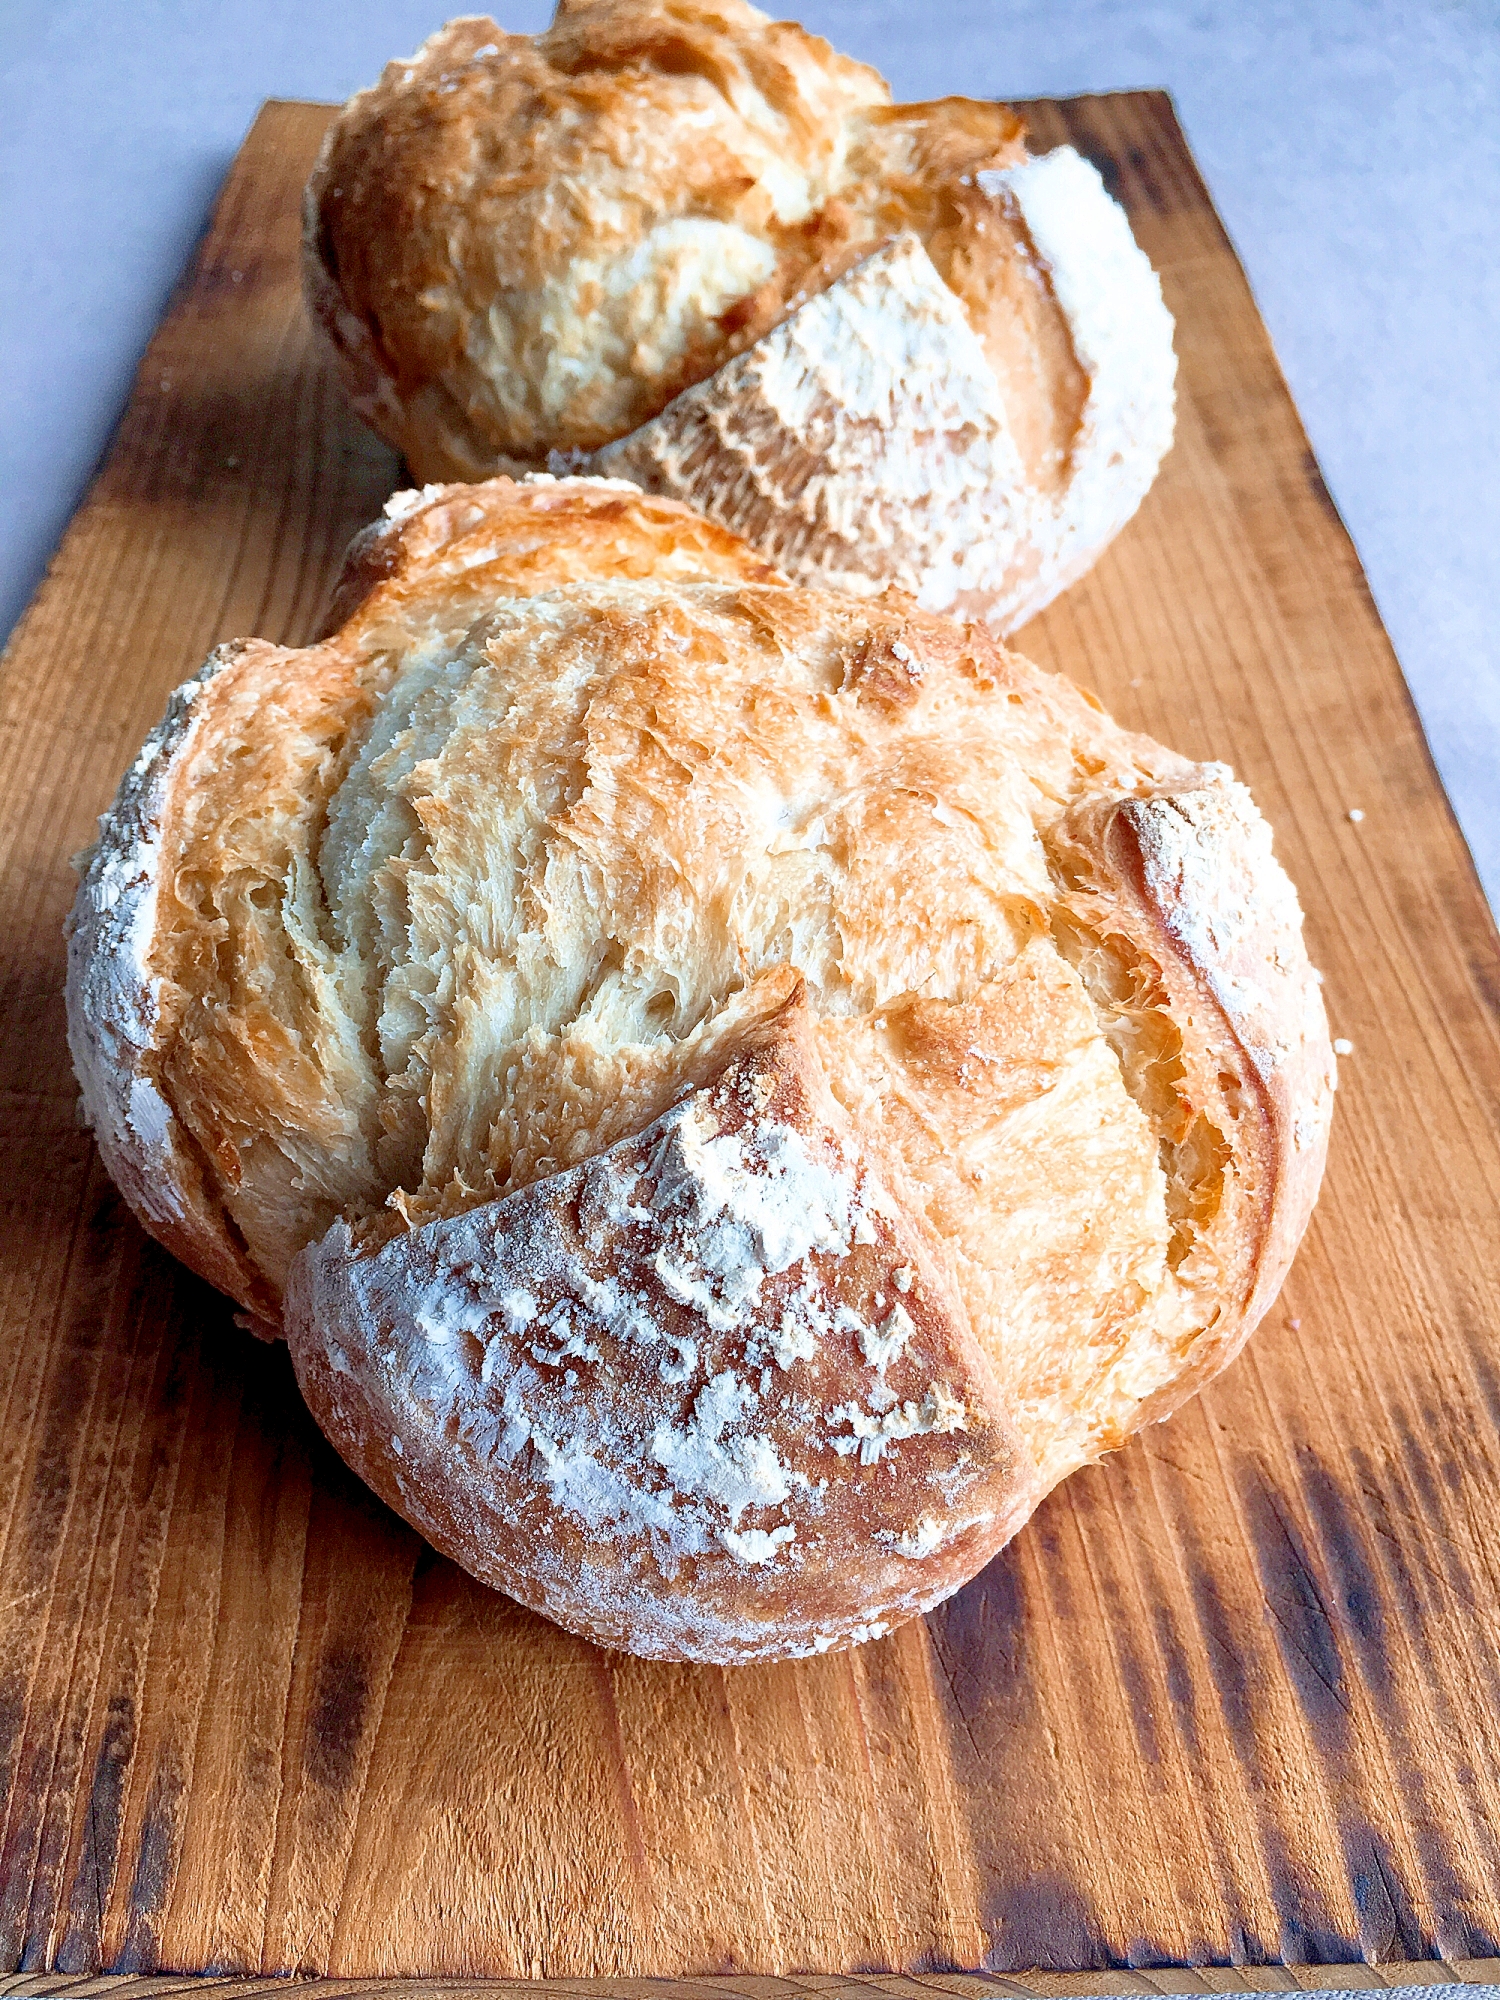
{"x": 526, "y": 244}
{"x": 736, "y": 1090}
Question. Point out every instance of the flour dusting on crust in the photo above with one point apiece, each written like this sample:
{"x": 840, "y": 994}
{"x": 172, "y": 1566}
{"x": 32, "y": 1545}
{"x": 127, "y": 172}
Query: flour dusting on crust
{"x": 651, "y": 1354}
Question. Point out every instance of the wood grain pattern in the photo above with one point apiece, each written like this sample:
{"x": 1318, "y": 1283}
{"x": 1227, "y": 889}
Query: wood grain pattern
{"x": 1474, "y": 1975}
{"x": 1233, "y": 1698}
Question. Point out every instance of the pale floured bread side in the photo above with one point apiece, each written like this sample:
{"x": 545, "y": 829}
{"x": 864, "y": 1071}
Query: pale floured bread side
{"x": 853, "y": 441}
{"x": 682, "y": 244}
{"x": 115, "y": 1014}
{"x": 871, "y": 438}
{"x": 734, "y": 1089}
{"x": 1110, "y": 299}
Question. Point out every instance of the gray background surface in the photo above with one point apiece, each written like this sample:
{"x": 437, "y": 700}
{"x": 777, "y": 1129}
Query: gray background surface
{"x": 1352, "y": 146}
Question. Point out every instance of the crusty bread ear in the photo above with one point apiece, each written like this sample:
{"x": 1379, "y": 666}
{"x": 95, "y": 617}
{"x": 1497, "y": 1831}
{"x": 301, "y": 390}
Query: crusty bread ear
{"x": 712, "y": 1395}
{"x": 1188, "y": 935}
{"x": 873, "y": 438}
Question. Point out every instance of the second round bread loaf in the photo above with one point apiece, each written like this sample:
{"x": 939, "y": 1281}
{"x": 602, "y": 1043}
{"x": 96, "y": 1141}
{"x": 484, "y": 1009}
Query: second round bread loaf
{"x": 682, "y": 244}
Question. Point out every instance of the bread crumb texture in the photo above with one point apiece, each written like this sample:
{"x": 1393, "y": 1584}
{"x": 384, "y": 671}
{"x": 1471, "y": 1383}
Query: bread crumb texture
{"x": 736, "y": 1090}
{"x": 528, "y": 246}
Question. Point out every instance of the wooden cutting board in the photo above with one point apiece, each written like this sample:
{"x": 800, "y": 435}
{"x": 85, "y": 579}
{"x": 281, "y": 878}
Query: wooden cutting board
{"x": 1232, "y": 1697}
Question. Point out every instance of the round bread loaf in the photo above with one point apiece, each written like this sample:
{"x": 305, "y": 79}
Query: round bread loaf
{"x": 731, "y": 1091}
{"x": 676, "y": 242}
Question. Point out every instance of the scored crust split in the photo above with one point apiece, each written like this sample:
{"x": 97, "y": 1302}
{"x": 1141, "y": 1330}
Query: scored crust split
{"x": 869, "y": 439}
{"x": 731, "y": 1091}
{"x": 676, "y": 242}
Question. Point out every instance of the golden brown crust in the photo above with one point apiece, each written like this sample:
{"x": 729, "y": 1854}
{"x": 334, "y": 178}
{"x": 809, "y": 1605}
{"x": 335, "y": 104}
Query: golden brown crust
{"x": 472, "y": 220}
{"x": 876, "y": 1074}
{"x": 443, "y": 550}
{"x": 471, "y": 178}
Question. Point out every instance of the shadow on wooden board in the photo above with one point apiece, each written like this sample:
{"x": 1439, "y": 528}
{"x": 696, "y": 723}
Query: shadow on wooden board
{"x": 1232, "y": 1699}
